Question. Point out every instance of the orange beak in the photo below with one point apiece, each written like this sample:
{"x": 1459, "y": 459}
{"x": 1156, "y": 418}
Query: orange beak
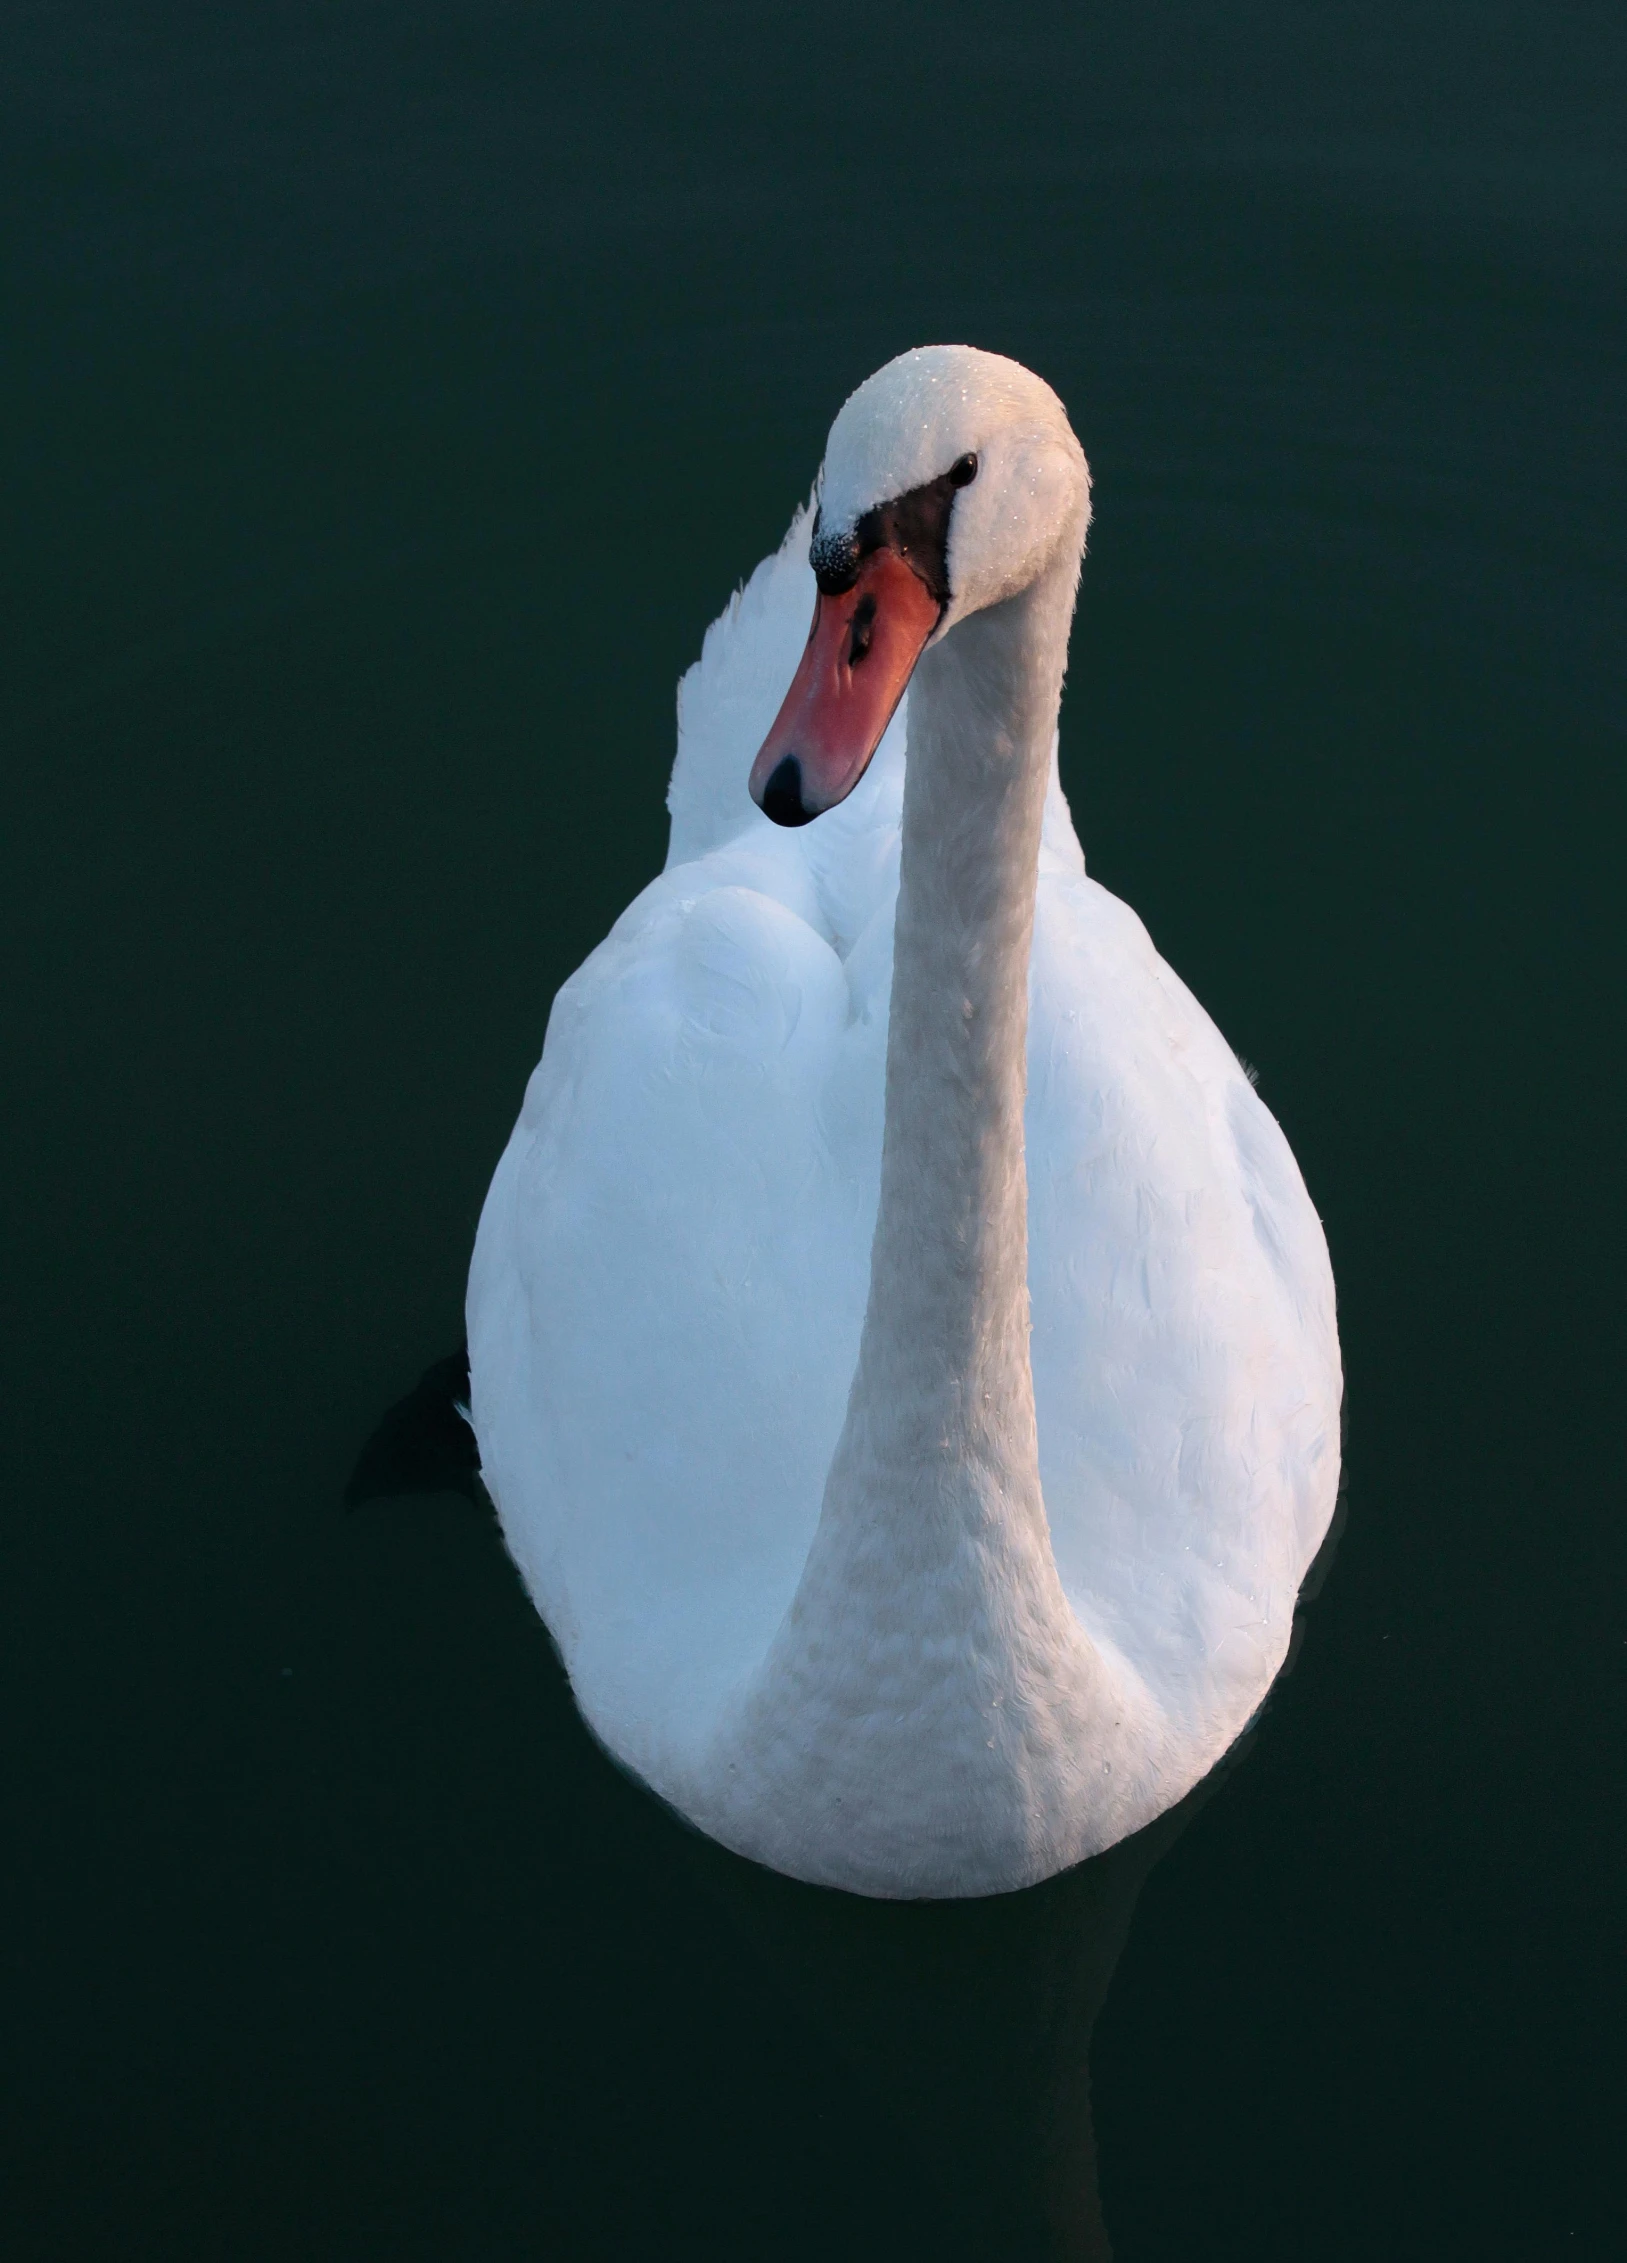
{"x": 860, "y": 655}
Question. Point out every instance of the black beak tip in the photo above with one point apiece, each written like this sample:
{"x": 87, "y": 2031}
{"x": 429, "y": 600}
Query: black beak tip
{"x": 782, "y": 795}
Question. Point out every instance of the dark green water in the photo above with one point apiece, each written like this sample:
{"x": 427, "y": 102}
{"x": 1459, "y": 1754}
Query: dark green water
{"x": 391, "y": 397}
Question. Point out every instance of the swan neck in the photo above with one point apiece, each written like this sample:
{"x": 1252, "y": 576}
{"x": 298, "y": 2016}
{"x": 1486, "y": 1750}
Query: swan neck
{"x": 930, "y": 1678}
{"x": 943, "y": 1379}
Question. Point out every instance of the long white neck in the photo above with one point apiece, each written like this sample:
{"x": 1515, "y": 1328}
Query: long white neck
{"x": 943, "y": 1396}
{"x": 930, "y": 1690}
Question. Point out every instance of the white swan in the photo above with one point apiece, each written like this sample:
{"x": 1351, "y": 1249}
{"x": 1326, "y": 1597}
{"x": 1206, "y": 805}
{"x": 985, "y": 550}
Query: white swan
{"x": 874, "y": 1582}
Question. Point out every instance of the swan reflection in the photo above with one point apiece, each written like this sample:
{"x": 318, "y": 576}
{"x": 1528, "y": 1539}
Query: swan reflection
{"x": 967, "y": 2023}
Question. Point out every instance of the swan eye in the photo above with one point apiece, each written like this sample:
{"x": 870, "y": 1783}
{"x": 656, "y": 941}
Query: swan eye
{"x": 963, "y": 471}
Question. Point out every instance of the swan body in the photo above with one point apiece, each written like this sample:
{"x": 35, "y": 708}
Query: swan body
{"x": 902, "y": 1347}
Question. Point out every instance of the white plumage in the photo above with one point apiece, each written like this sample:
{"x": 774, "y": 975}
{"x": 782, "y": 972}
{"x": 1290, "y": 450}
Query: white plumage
{"x": 671, "y": 1274}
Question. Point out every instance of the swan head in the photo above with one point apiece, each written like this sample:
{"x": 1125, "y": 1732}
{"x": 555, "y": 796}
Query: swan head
{"x": 952, "y": 481}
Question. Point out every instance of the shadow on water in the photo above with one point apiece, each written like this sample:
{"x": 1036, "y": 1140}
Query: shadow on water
{"x": 968, "y": 2024}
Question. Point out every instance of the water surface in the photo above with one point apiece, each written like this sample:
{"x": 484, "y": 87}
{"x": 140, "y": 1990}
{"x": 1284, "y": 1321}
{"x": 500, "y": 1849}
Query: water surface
{"x": 393, "y": 396}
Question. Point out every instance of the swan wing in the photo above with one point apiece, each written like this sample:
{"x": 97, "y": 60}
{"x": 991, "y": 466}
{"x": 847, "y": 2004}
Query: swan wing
{"x": 1186, "y": 1367}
